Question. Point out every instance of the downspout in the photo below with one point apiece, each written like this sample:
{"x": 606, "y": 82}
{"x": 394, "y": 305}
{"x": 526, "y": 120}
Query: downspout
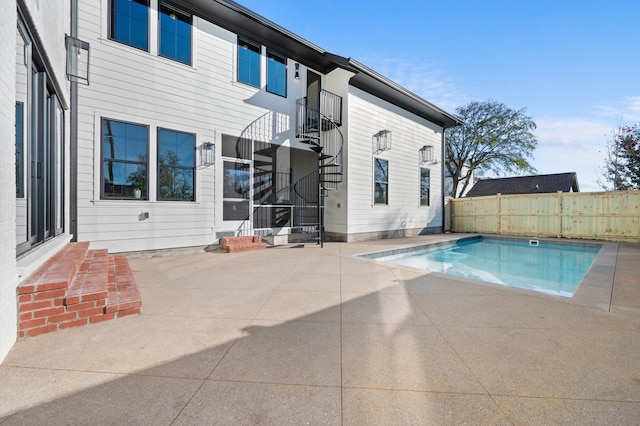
{"x": 73, "y": 138}
{"x": 442, "y": 178}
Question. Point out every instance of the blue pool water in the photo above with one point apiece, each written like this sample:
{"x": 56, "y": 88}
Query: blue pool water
{"x": 554, "y": 268}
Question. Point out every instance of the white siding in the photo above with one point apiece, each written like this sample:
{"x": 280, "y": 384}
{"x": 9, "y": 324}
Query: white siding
{"x": 50, "y": 23}
{"x": 8, "y": 275}
{"x": 367, "y": 116}
{"x": 52, "y": 18}
{"x": 140, "y": 87}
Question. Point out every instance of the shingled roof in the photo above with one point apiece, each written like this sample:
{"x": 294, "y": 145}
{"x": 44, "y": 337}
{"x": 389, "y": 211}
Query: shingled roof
{"x": 536, "y": 184}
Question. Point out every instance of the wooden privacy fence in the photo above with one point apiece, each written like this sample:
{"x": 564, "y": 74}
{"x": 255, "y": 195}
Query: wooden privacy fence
{"x": 613, "y": 216}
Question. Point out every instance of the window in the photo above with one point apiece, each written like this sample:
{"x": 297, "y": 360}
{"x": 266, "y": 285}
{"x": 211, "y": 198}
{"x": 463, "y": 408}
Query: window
{"x": 130, "y": 22}
{"x": 175, "y": 34}
{"x": 19, "y": 150}
{"x": 125, "y": 157}
{"x": 381, "y": 176}
{"x": 176, "y": 165}
{"x": 248, "y": 63}
{"x": 236, "y": 185}
{"x": 39, "y": 143}
{"x": 276, "y": 74}
{"x": 424, "y": 186}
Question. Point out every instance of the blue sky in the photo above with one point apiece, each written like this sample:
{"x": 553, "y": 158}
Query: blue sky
{"x": 574, "y": 65}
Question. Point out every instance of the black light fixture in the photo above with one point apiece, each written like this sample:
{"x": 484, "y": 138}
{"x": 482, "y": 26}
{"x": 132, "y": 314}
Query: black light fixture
{"x": 382, "y": 141}
{"x": 77, "y": 60}
{"x": 297, "y": 76}
{"x": 207, "y": 154}
{"x": 426, "y": 154}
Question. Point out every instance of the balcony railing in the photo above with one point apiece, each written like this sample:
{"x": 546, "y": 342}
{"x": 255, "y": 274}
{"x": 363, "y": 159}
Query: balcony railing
{"x": 331, "y": 107}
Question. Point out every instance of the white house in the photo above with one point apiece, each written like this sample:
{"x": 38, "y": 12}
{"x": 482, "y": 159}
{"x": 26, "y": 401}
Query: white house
{"x": 145, "y": 124}
{"x": 170, "y": 80}
{"x": 34, "y": 145}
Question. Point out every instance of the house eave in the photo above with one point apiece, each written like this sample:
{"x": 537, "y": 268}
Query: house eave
{"x": 372, "y": 82}
{"x": 238, "y": 19}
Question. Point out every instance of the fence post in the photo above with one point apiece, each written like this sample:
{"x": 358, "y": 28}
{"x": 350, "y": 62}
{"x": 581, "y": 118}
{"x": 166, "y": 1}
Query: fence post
{"x": 559, "y": 213}
{"x": 499, "y": 210}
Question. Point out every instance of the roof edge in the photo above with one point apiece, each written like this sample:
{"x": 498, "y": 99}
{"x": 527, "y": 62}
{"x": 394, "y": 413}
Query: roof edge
{"x": 266, "y": 22}
{"x": 402, "y": 90}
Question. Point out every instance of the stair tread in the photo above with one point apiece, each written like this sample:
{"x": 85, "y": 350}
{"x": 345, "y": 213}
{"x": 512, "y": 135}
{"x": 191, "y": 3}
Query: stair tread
{"x": 90, "y": 282}
{"x": 123, "y": 292}
{"x": 58, "y": 271}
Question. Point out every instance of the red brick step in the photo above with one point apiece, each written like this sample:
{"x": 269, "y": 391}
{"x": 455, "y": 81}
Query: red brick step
{"x": 75, "y": 287}
{"x": 124, "y": 297}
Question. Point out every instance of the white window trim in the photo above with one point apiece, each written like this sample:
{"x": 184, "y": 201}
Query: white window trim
{"x": 373, "y": 176}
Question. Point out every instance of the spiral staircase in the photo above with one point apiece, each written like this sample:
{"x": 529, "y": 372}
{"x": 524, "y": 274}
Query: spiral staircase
{"x": 320, "y": 129}
{"x": 300, "y": 205}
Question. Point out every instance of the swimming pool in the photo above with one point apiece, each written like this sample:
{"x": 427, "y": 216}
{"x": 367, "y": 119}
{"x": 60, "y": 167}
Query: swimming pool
{"x": 550, "y": 267}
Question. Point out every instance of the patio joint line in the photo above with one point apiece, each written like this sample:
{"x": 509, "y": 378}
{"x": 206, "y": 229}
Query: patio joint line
{"x": 441, "y": 334}
{"x": 613, "y": 284}
{"x": 206, "y": 379}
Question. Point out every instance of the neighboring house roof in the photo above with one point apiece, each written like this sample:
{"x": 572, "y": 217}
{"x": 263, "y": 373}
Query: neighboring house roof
{"x": 565, "y": 182}
{"x": 240, "y": 20}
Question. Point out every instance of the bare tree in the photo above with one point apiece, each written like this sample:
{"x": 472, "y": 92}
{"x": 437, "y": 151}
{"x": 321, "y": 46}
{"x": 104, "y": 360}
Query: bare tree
{"x": 493, "y": 138}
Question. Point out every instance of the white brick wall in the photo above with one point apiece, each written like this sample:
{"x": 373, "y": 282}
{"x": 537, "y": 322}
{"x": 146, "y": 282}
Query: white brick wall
{"x": 8, "y": 277}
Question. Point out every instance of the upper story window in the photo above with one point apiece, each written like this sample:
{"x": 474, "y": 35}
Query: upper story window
{"x": 175, "y": 34}
{"x": 124, "y": 160}
{"x": 130, "y": 22}
{"x": 248, "y": 63}
{"x": 176, "y": 165}
{"x": 381, "y": 181}
{"x": 276, "y": 74}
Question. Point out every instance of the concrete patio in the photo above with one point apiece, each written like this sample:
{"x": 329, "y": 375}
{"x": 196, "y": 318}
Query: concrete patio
{"x": 310, "y": 335}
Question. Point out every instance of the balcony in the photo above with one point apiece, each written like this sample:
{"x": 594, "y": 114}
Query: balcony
{"x": 310, "y": 121}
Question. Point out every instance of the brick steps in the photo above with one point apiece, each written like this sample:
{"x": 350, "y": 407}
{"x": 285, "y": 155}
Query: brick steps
{"x": 236, "y": 244}
{"x": 77, "y": 286}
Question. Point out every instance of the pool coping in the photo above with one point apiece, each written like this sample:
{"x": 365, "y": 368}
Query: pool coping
{"x": 595, "y": 291}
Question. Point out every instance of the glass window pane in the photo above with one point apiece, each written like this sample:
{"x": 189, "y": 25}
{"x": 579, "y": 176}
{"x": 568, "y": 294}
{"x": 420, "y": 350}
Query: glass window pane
{"x": 235, "y": 210}
{"x": 130, "y": 22}
{"x": 124, "y": 151}
{"x": 424, "y": 186}
{"x": 381, "y": 176}
{"x": 122, "y": 180}
{"x": 236, "y": 180}
{"x": 235, "y": 147}
{"x": 276, "y": 75}
{"x": 175, "y": 184}
{"x": 176, "y": 165}
{"x": 248, "y": 63}
{"x": 175, "y": 34}
{"x": 381, "y": 196}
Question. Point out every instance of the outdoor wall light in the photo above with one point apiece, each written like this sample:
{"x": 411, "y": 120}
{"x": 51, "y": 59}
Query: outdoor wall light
{"x": 382, "y": 141}
{"x": 426, "y": 154}
{"x": 297, "y": 76}
{"x": 77, "y": 60}
{"x": 207, "y": 150}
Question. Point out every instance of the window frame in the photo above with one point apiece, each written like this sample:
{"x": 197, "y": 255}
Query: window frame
{"x": 183, "y": 167}
{"x": 425, "y": 201}
{"x": 178, "y": 12}
{"x": 274, "y": 56}
{"x": 20, "y": 121}
{"x": 144, "y": 196}
{"x": 257, "y": 49}
{"x": 113, "y": 21}
{"x": 377, "y": 182}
